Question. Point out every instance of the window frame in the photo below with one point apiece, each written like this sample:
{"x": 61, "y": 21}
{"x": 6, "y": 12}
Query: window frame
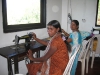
{"x": 97, "y": 14}
{"x": 21, "y": 27}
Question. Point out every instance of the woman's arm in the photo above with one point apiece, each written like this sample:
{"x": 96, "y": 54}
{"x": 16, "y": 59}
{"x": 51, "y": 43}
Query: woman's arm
{"x": 50, "y": 52}
{"x": 69, "y": 40}
{"x": 39, "y": 40}
{"x": 65, "y": 33}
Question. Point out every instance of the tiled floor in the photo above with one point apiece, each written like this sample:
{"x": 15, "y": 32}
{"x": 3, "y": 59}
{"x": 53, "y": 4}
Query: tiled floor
{"x": 94, "y": 71}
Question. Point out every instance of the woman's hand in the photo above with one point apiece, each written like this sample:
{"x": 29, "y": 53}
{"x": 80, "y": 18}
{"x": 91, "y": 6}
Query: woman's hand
{"x": 34, "y": 36}
{"x": 30, "y": 55}
{"x": 63, "y": 30}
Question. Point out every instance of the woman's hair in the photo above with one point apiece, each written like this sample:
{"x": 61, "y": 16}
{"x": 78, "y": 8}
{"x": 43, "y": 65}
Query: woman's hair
{"x": 76, "y": 22}
{"x": 55, "y": 24}
{"x": 68, "y": 46}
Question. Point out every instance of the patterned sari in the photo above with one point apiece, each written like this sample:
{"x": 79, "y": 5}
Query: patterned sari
{"x": 56, "y": 64}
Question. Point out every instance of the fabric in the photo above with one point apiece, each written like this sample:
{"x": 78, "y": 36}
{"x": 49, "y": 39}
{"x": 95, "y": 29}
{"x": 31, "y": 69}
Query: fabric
{"x": 95, "y": 42}
{"x": 76, "y": 39}
{"x": 58, "y": 61}
{"x": 84, "y": 34}
{"x": 67, "y": 43}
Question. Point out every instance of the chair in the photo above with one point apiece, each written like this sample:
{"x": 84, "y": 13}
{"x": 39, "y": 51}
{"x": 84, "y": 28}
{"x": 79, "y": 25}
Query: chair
{"x": 83, "y": 53}
{"x": 70, "y": 63}
{"x": 97, "y": 51}
{"x": 88, "y": 54}
{"x": 71, "y": 53}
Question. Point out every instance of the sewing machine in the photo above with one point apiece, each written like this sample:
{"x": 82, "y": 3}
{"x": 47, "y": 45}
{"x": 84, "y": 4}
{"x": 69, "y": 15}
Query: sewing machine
{"x": 27, "y": 38}
{"x": 98, "y": 29}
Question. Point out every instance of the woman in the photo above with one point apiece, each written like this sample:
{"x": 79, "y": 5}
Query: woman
{"x": 74, "y": 38}
{"x": 55, "y": 58}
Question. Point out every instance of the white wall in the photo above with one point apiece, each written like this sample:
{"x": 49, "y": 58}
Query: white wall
{"x": 56, "y": 9}
{"x": 84, "y": 9}
{"x": 53, "y": 12}
{"x": 64, "y": 14}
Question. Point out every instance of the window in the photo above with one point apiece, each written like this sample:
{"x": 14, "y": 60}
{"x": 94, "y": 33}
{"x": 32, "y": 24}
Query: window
{"x": 98, "y": 14}
{"x": 21, "y": 15}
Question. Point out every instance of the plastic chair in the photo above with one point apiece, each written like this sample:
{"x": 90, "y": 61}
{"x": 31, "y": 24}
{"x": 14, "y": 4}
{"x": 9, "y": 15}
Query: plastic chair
{"x": 83, "y": 54}
{"x": 70, "y": 63}
{"x": 88, "y": 55}
{"x": 97, "y": 51}
{"x": 73, "y": 48}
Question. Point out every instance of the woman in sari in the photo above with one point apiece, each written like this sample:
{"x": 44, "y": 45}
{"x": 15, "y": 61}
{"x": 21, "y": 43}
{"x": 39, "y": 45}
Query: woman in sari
{"x": 55, "y": 58}
{"x": 74, "y": 38}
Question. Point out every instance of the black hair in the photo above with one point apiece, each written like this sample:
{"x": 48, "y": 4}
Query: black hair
{"x": 68, "y": 46}
{"x": 76, "y": 22}
{"x": 55, "y": 24}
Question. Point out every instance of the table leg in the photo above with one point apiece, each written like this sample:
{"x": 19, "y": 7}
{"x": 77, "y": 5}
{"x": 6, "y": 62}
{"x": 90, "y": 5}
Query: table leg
{"x": 10, "y": 71}
{"x": 16, "y": 67}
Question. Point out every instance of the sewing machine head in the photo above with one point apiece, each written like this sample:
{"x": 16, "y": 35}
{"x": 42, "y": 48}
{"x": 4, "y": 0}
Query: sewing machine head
{"x": 27, "y": 43}
{"x": 97, "y": 29}
{"x": 27, "y": 40}
{"x": 26, "y": 37}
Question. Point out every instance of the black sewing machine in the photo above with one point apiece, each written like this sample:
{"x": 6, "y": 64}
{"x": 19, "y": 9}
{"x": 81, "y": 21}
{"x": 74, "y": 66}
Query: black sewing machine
{"x": 98, "y": 29}
{"x": 27, "y": 38}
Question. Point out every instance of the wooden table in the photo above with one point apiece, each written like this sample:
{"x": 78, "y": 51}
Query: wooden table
{"x": 11, "y": 53}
